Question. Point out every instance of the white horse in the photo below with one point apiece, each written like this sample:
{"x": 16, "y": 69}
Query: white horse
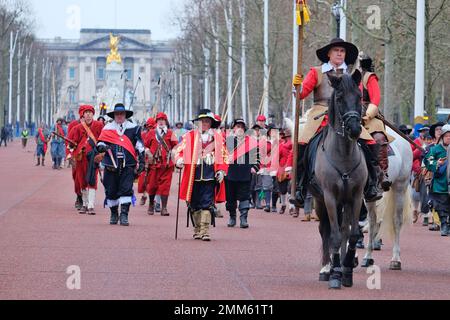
{"x": 387, "y": 216}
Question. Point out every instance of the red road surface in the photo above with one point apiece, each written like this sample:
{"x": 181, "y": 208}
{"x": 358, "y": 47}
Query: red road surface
{"x": 41, "y": 235}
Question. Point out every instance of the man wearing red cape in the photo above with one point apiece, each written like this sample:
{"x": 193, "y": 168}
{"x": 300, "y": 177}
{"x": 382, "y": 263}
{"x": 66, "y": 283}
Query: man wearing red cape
{"x": 204, "y": 156}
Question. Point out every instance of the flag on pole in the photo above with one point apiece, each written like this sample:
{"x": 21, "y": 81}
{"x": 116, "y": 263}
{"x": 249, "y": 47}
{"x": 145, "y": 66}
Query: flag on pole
{"x": 302, "y": 7}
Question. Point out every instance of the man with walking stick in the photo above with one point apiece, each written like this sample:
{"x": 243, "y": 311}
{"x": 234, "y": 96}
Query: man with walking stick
{"x": 203, "y": 155}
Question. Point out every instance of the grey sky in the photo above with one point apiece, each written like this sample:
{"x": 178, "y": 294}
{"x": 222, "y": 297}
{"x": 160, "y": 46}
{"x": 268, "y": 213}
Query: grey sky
{"x": 59, "y": 17}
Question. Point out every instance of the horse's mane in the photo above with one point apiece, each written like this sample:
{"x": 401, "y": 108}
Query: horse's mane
{"x": 347, "y": 86}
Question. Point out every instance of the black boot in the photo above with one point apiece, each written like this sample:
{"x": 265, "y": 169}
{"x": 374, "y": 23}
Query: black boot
{"x": 79, "y": 202}
{"x": 114, "y": 216}
{"x": 244, "y": 222}
{"x": 232, "y": 222}
{"x": 302, "y": 185}
{"x": 124, "y": 210}
{"x": 38, "y": 161}
{"x": 372, "y": 193}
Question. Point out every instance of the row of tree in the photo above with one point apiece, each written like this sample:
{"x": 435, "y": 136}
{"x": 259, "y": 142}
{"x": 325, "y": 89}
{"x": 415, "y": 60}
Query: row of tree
{"x": 246, "y": 47}
{"x": 29, "y": 76}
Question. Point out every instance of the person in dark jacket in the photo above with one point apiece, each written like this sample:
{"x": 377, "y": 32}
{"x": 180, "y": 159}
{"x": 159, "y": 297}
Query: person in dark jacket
{"x": 242, "y": 158}
{"x": 124, "y": 160}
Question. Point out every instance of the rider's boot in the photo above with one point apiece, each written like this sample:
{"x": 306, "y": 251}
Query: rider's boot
{"x": 300, "y": 194}
{"x": 372, "y": 193}
{"x": 383, "y": 160}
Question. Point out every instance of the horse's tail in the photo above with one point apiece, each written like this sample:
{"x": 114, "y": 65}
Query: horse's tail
{"x": 387, "y": 208}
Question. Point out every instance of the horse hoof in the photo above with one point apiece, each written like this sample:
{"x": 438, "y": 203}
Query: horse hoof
{"x": 335, "y": 284}
{"x": 367, "y": 263}
{"x": 347, "y": 278}
{"x": 396, "y": 266}
{"x": 324, "y": 277}
{"x": 355, "y": 263}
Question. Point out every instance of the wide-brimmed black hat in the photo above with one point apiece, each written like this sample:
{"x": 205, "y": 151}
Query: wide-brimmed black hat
{"x": 404, "y": 128}
{"x": 351, "y": 54}
{"x": 120, "y": 108}
{"x": 237, "y": 121}
{"x": 434, "y": 127}
{"x": 208, "y": 114}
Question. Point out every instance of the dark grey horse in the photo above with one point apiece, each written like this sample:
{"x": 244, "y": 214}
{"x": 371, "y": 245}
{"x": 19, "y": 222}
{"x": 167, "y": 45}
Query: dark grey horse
{"x": 341, "y": 175}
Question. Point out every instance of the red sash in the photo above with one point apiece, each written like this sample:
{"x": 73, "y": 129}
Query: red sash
{"x": 41, "y": 135}
{"x": 111, "y": 136}
{"x": 248, "y": 145}
{"x": 60, "y": 130}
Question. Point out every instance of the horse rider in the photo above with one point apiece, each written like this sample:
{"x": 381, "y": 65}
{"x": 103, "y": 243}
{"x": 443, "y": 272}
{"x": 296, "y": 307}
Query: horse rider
{"x": 371, "y": 101}
{"x": 338, "y": 57}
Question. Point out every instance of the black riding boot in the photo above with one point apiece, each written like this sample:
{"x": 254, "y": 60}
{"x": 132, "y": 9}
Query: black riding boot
{"x": 124, "y": 210}
{"x": 232, "y": 222}
{"x": 302, "y": 180}
{"x": 244, "y": 222}
{"x": 114, "y": 215}
{"x": 372, "y": 193}
{"x": 79, "y": 202}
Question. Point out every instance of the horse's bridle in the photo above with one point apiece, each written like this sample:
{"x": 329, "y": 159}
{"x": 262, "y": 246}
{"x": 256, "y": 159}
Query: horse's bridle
{"x": 344, "y": 120}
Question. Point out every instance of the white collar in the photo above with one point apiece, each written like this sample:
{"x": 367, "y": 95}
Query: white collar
{"x": 327, "y": 67}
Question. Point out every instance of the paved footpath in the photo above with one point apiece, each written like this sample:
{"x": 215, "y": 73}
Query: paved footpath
{"x": 41, "y": 235}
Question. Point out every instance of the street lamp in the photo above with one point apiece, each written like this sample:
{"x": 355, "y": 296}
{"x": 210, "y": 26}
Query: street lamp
{"x": 336, "y": 10}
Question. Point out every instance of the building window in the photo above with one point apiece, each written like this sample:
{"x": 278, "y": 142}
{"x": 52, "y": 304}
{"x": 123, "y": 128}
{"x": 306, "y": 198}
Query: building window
{"x": 72, "y": 73}
{"x": 129, "y": 66}
{"x": 101, "y": 66}
{"x": 87, "y": 69}
{"x": 142, "y": 70}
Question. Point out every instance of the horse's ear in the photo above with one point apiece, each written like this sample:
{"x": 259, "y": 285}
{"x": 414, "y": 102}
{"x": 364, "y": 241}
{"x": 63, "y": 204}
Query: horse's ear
{"x": 335, "y": 81}
{"x": 357, "y": 77}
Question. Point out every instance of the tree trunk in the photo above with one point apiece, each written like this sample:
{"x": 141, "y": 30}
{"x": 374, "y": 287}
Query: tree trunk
{"x": 243, "y": 13}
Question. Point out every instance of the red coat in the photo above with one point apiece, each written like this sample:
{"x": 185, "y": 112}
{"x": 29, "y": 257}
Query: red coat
{"x": 151, "y": 143}
{"x": 417, "y": 156}
{"x": 80, "y": 137}
{"x": 286, "y": 148}
{"x": 190, "y": 149}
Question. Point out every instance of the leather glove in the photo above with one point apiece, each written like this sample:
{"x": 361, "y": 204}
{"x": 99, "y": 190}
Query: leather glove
{"x": 371, "y": 113}
{"x": 102, "y": 148}
{"x": 220, "y": 176}
{"x": 180, "y": 163}
{"x": 298, "y": 80}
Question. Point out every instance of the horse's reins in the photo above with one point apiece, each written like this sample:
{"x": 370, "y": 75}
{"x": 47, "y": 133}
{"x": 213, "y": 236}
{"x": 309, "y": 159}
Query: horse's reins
{"x": 344, "y": 121}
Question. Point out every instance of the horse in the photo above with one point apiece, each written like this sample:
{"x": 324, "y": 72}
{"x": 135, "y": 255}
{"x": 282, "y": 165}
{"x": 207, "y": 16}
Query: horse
{"x": 387, "y": 217}
{"x": 340, "y": 178}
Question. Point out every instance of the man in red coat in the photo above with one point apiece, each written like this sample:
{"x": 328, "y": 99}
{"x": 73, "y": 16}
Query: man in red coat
{"x": 160, "y": 143}
{"x": 143, "y": 178}
{"x": 69, "y": 157}
{"x": 85, "y": 135}
{"x": 204, "y": 156}
{"x": 283, "y": 174}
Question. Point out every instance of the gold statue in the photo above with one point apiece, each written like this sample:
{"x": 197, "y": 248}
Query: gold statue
{"x": 114, "y": 55}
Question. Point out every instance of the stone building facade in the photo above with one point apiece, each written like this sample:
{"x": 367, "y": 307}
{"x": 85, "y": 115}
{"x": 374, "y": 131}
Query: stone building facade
{"x": 143, "y": 59}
